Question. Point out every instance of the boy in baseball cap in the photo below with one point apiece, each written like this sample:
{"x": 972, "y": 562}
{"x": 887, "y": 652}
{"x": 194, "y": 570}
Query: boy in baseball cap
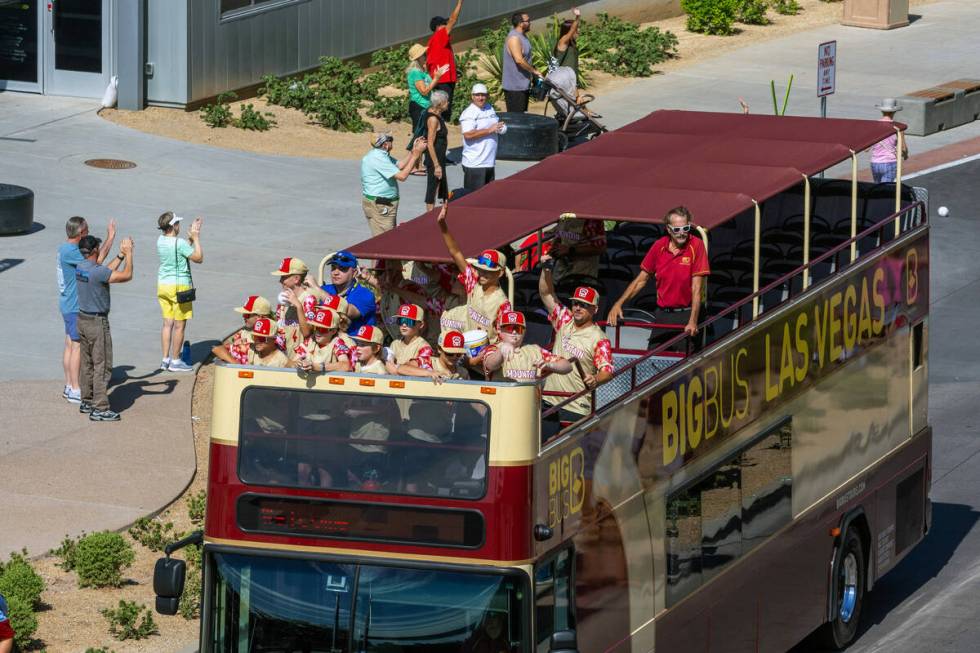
{"x": 410, "y": 350}
{"x": 512, "y": 360}
{"x": 236, "y": 349}
{"x": 264, "y": 352}
{"x": 325, "y": 350}
{"x": 298, "y": 296}
{"x": 368, "y": 341}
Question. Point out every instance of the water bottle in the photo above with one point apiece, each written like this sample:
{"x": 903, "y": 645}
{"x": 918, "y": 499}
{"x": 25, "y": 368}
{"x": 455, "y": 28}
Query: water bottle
{"x": 185, "y": 352}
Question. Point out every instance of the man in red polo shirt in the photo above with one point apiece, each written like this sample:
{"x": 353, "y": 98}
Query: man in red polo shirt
{"x": 680, "y": 263}
{"x": 440, "y": 53}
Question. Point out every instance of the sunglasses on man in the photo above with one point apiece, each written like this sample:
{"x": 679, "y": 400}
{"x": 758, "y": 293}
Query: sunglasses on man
{"x": 679, "y": 230}
{"x": 581, "y": 305}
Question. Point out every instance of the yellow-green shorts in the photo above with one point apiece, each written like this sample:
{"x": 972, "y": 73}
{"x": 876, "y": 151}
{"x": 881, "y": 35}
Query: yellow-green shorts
{"x": 167, "y": 296}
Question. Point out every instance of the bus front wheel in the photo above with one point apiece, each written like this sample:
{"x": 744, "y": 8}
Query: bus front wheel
{"x": 849, "y": 592}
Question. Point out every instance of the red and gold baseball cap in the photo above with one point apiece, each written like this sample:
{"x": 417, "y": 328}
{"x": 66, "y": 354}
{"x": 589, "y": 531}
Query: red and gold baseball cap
{"x": 264, "y": 328}
{"x": 452, "y": 342}
{"x": 289, "y": 266}
{"x": 512, "y": 318}
{"x": 411, "y": 311}
{"x": 369, "y": 335}
{"x": 490, "y": 260}
{"x": 586, "y": 295}
{"x": 324, "y": 317}
{"x": 337, "y": 303}
{"x": 255, "y": 305}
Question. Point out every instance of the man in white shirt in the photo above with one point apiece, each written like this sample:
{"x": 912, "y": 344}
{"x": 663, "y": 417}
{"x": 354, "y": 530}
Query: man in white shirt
{"x": 480, "y": 127}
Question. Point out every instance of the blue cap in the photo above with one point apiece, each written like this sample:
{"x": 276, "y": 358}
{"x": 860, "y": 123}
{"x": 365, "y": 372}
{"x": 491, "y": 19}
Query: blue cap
{"x": 344, "y": 259}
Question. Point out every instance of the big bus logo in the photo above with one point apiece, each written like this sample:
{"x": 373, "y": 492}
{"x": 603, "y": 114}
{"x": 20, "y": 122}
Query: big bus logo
{"x": 911, "y": 275}
{"x": 566, "y": 486}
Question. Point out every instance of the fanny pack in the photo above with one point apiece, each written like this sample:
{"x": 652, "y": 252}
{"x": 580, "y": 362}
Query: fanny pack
{"x": 184, "y": 296}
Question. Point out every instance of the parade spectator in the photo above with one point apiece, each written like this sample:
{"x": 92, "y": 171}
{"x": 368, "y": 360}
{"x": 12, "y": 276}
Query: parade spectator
{"x": 173, "y": 277}
{"x": 518, "y": 72}
{"x": 680, "y": 264}
{"x": 884, "y": 154}
{"x": 510, "y": 359}
{"x": 6, "y": 632}
{"x": 368, "y": 342}
{"x": 298, "y": 296}
{"x": 565, "y": 52}
{"x": 325, "y": 350}
{"x": 92, "y": 283}
{"x": 237, "y": 347}
{"x": 361, "y": 303}
{"x": 480, "y": 127}
{"x": 411, "y": 350}
{"x": 440, "y": 53}
{"x": 480, "y": 277}
{"x": 380, "y": 174}
{"x": 68, "y": 257}
{"x": 437, "y": 139}
{"x": 420, "y": 85}
{"x": 577, "y": 246}
{"x": 578, "y": 339}
{"x": 264, "y": 352}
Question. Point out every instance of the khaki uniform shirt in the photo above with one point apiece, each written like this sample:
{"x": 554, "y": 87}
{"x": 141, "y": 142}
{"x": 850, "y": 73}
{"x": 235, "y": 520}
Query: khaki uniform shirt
{"x": 522, "y": 365}
{"x": 578, "y": 232}
{"x": 275, "y": 359}
{"x": 482, "y": 308}
{"x": 417, "y": 351}
{"x": 288, "y": 335}
{"x": 589, "y": 346}
{"x": 440, "y": 367}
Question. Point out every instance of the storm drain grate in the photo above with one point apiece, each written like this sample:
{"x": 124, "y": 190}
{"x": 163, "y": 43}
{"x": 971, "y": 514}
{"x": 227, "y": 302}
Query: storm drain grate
{"x": 110, "y": 164}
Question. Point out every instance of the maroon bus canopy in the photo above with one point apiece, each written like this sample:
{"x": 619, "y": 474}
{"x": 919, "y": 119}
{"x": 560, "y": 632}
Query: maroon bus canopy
{"x": 715, "y": 164}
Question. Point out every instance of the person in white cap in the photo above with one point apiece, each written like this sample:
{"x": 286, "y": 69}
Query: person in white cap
{"x": 480, "y": 126}
{"x": 380, "y": 174}
{"x": 173, "y": 277}
{"x": 884, "y": 154}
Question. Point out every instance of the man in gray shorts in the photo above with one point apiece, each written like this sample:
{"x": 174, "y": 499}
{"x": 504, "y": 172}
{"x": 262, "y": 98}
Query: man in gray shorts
{"x": 92, "y": 284}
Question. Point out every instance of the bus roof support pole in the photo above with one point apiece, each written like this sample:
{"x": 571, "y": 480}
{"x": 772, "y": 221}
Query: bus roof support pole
{"x": 899, "y": 148}
{"x": 510, "y": 285}
{"x": 755, "y": 260}
{"x": 806, "y": 232}
{"x": 854, "y": 203}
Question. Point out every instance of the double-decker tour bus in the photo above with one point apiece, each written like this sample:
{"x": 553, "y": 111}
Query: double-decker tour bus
{"x": 734, "y": 491}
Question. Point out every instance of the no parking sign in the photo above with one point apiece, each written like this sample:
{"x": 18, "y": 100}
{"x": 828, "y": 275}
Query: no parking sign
{"x": 826, "y": 68}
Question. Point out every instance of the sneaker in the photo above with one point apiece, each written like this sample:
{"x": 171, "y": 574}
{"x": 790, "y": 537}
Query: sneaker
{"x": 180, "y": 366}
{"x": 85, "y": 407}
{"x": 74, "y": 396}
{"x": 165, "y": 364}
{"x": 66, "y": 392}
{"x": 104, "y": 416}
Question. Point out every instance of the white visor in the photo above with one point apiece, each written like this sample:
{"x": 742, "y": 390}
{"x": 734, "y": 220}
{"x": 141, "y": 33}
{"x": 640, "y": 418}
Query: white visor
{"x": 174, "y": 220}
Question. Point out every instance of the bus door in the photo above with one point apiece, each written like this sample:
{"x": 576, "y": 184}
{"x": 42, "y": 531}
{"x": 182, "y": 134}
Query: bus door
{"x": 554, "y": 605}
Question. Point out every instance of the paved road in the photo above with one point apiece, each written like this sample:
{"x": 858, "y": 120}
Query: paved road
{"x": 929, "y": 602}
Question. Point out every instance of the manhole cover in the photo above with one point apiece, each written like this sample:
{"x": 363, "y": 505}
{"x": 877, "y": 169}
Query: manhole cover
{"x": 110, "y": 164}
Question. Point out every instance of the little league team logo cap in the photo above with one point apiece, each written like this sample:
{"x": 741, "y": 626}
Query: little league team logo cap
{"x": 289, "y": 266}
{"x": 513, "y": 318}
{"x": 264, "y": 327}
{"x": 255, "y": 305}
{"x": 369, "y": 334}
{"x": 324, "y": 317}
{"x": 489, "y": 259}
{"x": 411, "y": 311}
{"x": 452, "y": 342}
{"x": 586, "y": 295}
{"x": 336, "y": 302}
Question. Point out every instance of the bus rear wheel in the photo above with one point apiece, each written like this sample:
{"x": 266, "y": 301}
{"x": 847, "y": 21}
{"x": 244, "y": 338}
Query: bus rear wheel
{"x": 849, "y": 591}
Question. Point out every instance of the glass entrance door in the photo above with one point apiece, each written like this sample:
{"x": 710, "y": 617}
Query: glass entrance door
{"x": 20, "y": 45}
{"x": 77, "y": 47}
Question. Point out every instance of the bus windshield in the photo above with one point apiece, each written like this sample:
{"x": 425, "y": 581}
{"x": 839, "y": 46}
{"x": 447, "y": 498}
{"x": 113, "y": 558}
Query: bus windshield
{"x": 363, "y": 442}
{"x": 264, "y": 604}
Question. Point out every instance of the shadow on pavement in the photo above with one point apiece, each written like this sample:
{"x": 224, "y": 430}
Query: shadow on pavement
{"x": 126, "y": 390}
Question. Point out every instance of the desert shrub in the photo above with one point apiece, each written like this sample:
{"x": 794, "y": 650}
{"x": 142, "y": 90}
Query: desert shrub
{"x": 152, "y": 533}
{"x": 189, "y": 606}
{"x": 22, "y": 620}
{"x": 620, "y": 47}
{"x": 786, "y": 7}
{"x": 390, "y": 64}
{"x": 18, "y": 579}
{"x": 66, "y": 552}
{"x": 196, "y": 505}
{"x": 100, "y": 559}
{"x": 390, "y": 108}
{"x": 218, "y": 115}
{"x": 130, "y": 621}
{"x": 711, "y": 16}
{"x": 753, "y": 12}
{"x": 330, "y": 96}
{"x": 101, "y": 649}
{"x": 252, "y": 120}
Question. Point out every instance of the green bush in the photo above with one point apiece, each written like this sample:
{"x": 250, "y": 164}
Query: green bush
{"x": 101, "y": 649}
{"x": 22, "y": 620}
{"x": 753, "y": 12}
{"x": 100, "y": 559}
{"x": 66, "y": 552}
{"x": 711, "y": 16}
{"x": 252, "y": 120}
{"x": 466, "y": 73}
{"x": 621, "y": 48}
{"x": 152, "y": 533}
{"x": 330, "y": 96}
{"x": 218, "y": 115}
{"x": 18, "y": 579}
{"x": 786, "y": 7}
{"x": 130, "y": 621}
{"x": 190, "y": 601}
{"x": 196, "y": 505}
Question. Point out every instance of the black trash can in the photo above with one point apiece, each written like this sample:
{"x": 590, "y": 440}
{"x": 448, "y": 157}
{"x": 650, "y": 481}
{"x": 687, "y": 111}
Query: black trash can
{"x": 16, "y": 209}
{"x": 529, "y": 137}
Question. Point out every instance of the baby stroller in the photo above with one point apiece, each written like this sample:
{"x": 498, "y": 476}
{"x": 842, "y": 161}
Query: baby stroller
{"x": 576, "y": 124}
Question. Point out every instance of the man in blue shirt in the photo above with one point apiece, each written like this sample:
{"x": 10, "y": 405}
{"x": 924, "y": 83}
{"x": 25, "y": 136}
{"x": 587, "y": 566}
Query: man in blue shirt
{"x": 68, "y": 258}
{"x": 6, "y": 632}
{"x": 361, "y": 303}
{"x": 380, "y": 174}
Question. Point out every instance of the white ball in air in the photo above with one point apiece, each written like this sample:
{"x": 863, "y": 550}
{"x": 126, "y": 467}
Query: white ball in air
{"x": 943, "y": 211}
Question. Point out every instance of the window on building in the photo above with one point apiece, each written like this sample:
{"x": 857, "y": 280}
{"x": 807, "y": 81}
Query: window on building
{"x": 228, "y": 6}
{"x": 728, "y": 512}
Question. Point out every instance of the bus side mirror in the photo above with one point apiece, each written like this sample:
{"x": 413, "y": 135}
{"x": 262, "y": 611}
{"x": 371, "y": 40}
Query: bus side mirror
{"x": 563, "y": 641}
{"x": 168, "y": 584}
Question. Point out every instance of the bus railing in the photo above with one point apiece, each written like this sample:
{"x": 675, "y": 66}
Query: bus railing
{"x": 910, "y": 218}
